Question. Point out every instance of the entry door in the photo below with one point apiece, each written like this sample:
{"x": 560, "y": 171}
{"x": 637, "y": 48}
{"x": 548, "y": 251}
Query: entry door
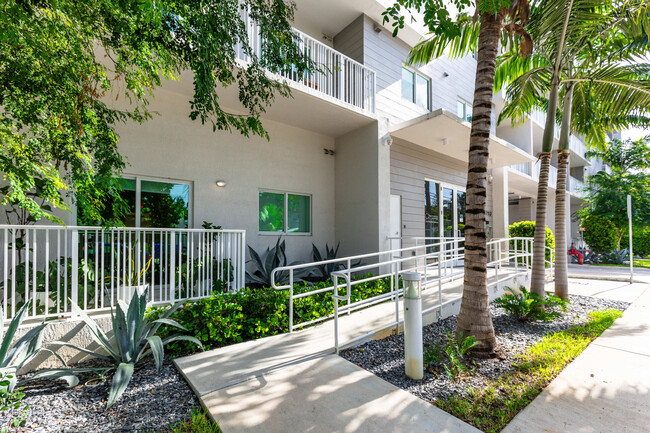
{"x": 395, "y": 221}
{"x": 444, "y": 212}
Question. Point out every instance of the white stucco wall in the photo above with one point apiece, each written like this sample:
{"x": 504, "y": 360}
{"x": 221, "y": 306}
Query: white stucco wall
{"x": 175, "y": 147}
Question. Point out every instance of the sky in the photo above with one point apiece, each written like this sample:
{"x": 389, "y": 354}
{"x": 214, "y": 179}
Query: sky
{"x": 634, "y": 133}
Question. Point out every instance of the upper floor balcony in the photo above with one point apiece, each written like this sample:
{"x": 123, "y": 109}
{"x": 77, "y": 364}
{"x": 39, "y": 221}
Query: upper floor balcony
{"x": 336, "y": 77}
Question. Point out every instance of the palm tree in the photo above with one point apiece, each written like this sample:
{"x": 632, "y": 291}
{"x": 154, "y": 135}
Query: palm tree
{"x": 474, "y": 318}
{"x": 612, "y": 91}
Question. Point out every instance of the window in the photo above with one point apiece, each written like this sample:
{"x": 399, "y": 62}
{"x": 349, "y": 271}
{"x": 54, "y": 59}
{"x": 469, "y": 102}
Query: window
{"x": 281, "y": 212}
{"x": 150, "y": 203}
{"x": 416, "y": 88}
{"x": 464, "y": 110}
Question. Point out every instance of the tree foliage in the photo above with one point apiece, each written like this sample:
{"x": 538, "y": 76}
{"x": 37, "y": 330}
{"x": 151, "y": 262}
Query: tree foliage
{"x": 600, "y": 233}
{"x": 606, "y": 191}
{"x": 71, "y": 70}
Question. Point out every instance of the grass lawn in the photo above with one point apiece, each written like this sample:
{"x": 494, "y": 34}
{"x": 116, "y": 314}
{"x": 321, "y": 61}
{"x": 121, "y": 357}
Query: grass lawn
{"x": 638, "y": 263}
{"x": 200, "y": 422}
{"x": 491, "y": 407}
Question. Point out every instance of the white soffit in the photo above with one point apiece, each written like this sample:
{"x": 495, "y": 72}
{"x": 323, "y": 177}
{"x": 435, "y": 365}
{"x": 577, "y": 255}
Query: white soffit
{"x": 446, "y": 133}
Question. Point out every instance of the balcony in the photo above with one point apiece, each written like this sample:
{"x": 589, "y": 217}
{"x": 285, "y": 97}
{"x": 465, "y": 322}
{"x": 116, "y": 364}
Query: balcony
{"x": 552, "y": 174}
{"x": 576, "y": 187}
{"x": 524, "y": 168}
{"x": 337, "y": 77}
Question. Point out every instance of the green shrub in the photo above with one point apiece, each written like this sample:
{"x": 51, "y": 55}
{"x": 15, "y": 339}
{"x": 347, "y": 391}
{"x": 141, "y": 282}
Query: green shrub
{"x": 249, "y": 314}
{"x": 525, "y": 305}
{"x": 600, "y": 234}
{"x": 450, "y": 356}
{"x": 641, "y": 242}
{"x": 526, "y": 229}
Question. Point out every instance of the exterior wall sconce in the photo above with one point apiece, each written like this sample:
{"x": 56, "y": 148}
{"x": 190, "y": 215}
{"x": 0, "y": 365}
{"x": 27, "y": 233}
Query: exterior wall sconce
{"x": 444, "y": 141}
{"x": 221, "y": 183}
{"x": 387, "y": 140}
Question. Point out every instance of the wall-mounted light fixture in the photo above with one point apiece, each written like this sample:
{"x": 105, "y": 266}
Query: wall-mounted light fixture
{"x": 387, "y": 140}
{"x": 376, "y": 28}
{"x": 221, "y": 183}
{"x": 444, "y": 141}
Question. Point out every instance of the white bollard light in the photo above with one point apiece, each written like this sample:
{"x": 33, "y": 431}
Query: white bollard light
{"x": 413, "y": 362}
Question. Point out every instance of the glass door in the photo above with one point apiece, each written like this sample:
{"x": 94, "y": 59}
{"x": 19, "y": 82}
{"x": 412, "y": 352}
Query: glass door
{"x": 444, "y": 214}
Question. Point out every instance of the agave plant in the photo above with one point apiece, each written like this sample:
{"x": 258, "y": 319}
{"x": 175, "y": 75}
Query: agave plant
{"x": 14, "y": 357}
{"x": 324, "y": 271}
{"x": 134, "y": 337}
{"x": 274, "y": 258}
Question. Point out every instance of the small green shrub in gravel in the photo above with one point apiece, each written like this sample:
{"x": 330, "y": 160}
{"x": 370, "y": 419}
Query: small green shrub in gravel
{"x": 450, "y": 356}
{"x": 199, "y": 422}
{"x": 525, "y": 305}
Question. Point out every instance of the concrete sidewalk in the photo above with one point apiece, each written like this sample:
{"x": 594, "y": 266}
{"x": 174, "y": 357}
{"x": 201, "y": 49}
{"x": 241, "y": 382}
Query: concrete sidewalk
{"x": 612, "y": 273}
{"x": 607, "y": 388}
{"x": 293, "y": 382}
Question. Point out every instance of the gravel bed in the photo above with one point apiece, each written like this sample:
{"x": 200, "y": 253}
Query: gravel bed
{"x": 152, "y": 402}
{"x": 385, "y": 357}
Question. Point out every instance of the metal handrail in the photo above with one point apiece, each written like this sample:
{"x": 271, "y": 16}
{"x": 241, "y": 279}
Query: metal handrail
{"x": 503, "y": 255}
{"x": 438, "y": 267}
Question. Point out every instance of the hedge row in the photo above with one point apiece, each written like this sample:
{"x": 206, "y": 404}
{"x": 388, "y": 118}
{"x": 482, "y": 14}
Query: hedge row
{"x": 230, "y": 318}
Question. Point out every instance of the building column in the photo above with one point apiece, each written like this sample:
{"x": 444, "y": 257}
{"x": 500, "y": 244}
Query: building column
{"x": 500, "y": 202}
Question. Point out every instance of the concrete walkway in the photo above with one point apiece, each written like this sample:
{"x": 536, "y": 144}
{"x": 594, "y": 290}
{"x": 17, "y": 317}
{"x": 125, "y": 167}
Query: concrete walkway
{"x": 612, "y": 273}
{"x": 607, "y": 388}
{"x": 293, "y": 382}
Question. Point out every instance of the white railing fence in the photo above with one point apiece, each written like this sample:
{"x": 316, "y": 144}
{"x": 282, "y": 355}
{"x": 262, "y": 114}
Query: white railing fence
{"x": 438, "y": 260}
{"x": 336, "y": 75}
{"x": 93, "y": 267}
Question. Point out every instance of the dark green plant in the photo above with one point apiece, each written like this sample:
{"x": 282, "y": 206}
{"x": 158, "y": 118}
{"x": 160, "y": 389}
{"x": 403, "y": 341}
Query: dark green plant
{"x": 228, "y": 318}
{"x": 525, "y": 305}
{"x": 600, "y": 233}
{"x": 134, "y": 337}
{"x": 273, "y": 258}
{"x": 641, "y": 242}
{"x": 526, "y": 229}
{"x": 450, "y": 355}
{"x": 614, "y": 257}
{"x": 325, "y": 271}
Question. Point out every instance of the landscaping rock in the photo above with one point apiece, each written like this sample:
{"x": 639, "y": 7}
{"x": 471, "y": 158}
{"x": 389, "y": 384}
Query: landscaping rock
{"x": 385, "y": 357}
{"x": 152, "y": 402}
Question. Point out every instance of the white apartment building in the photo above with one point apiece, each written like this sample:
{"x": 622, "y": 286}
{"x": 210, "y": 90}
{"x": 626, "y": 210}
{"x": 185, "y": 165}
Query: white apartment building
{"x": 368, "y": 150}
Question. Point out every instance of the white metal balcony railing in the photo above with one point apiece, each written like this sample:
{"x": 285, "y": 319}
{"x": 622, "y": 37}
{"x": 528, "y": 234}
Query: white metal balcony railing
{"x": 92, "y": 267}
{"x": 336, "y": 75}
{"x": 523, "y": 167}
{"x": 576, "y": 186}
{"x": 540, "y": 117}
{"x": 577, "y": 147}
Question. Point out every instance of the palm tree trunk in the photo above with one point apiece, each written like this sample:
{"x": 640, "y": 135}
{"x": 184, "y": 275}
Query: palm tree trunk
{"x": 561, "y": 259}
{"x": 539, "y": 245}
{"x": 474, "y": 318}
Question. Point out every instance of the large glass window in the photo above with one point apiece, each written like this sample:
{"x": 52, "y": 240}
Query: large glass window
{"x": 284, "y": 212}
{"x": 271, "y": 218}
{"x": 149, "y": 203}
{"x": 164, "y": 204}
{"x": 416, "y": 88}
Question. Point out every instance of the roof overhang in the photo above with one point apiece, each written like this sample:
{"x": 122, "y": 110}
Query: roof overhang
{"x": 446, "y": 133}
